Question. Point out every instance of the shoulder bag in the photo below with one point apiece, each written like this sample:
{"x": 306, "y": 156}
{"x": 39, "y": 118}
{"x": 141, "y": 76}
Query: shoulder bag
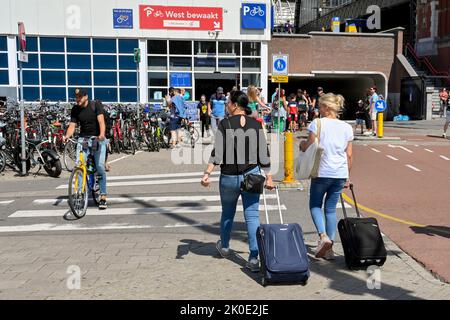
{"x": 308, "y": 162}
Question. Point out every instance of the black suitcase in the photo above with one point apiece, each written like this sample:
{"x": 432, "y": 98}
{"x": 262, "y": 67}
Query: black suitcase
{"x": 282, "y": 250}
{"x": 361, "y": 239}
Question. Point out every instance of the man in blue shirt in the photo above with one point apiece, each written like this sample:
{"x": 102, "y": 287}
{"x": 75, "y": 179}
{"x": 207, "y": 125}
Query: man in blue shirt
{"x": 373, "y": 112}
{"x": 217, "y": 107}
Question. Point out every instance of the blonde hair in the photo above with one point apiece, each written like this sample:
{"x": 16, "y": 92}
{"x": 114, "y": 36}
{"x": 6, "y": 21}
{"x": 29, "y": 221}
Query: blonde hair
{"x": 334, "y": 102}
{"x": 252, "y": 93}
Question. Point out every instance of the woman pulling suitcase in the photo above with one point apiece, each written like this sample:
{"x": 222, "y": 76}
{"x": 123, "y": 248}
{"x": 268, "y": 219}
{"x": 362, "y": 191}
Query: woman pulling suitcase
{"x": 336, "y": 138}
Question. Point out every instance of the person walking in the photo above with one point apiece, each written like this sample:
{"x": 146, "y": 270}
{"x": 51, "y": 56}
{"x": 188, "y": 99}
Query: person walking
{"x": 336, "y": 138}
{"x": 254, "y": 101}
{"x": 373, "y": 111}
{"x": 243, "y": 136}
{"x": 315, "y": 102}
{"x": 217, "y": 107}
{"x": 203, "y": 115}
{"x": 443, "y": 99}
{"x": 279, "y": 107}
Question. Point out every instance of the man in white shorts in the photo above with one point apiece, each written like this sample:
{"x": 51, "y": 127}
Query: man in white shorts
{"x": 373, "y": 112}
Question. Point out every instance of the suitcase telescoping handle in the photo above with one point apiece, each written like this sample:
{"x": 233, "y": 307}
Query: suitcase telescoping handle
{"x": 354, "y": 200}
{"x": 278, "y": 202}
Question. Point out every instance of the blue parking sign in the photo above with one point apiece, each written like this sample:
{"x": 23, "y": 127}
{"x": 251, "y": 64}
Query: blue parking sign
{"x": 253, "y": 16}
{"x": 123, "y": 18}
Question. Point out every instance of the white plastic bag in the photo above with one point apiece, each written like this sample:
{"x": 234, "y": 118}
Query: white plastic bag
{"x": 307, "y": 163}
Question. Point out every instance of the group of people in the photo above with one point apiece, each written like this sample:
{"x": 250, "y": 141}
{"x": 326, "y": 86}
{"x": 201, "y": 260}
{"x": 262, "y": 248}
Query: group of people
{"x": 366, "y": 112}
{"x": 247, "y": 158}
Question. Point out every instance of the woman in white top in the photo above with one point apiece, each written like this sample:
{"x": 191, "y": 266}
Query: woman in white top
{"x": 336, "y": 138}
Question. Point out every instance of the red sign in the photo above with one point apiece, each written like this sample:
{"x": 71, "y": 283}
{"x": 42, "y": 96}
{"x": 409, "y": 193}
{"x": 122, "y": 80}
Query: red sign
{"x": 22, "y": 37}
{"x": 180, "y": 18}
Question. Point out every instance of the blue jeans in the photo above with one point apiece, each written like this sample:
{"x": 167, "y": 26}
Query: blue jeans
{"x": 99, "y": 156}
{"x": 229, "y": 195}
{"x": 215, "y": 122}
{"x": 332, "y": 188}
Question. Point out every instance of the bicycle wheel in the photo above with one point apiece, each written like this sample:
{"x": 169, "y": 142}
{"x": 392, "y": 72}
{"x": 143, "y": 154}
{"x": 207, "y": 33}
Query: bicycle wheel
{"x": 78, "y": 196}
{"x": 2, "y": 161}
{"x": 70, "y": 155}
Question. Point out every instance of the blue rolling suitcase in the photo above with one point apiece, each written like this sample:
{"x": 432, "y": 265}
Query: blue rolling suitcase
{"x": 282, "y": 251}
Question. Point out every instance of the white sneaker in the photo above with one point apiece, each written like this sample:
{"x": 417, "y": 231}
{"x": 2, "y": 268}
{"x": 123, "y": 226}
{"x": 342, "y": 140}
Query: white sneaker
{"x": 224, "y": 252}
{"x": 444, "y": 135}
{"x": 329, "y": 255}
{"x": 323, "y": 246}
{"x": 253, "y": 265}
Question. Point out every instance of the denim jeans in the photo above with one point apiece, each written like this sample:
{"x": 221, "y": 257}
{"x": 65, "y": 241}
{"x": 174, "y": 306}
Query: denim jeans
{"x": 99, "y": 156}
{"x": 330, "y": 188}
{"x": 229, "y": 195}
{"x": 215, "y": 122}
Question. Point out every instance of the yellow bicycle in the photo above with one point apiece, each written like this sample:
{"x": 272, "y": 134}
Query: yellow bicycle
{"x": 84, "y": 179}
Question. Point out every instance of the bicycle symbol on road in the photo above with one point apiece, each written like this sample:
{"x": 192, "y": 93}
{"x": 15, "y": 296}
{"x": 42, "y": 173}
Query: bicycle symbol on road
{"x": 257, "y": 10}
{"x": 122, "y": 18}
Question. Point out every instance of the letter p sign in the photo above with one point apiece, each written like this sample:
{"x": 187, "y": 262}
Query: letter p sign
{"x": 246, "y": 10}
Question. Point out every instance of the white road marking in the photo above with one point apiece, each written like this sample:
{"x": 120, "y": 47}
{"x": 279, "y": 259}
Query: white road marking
{"x": 63, "y": 201}
{"x": 339, "y": 206}
{"x": 413, "y": 168}
{"x": 151, "y": 182}
{"x": 444, "y": 157}
{"x": 7, "y": 202}
{"x": 401, "y": 147}
{"x": 376, "y": 150}
{"x": 431, "y": 151}
{"x": 124, "y": 157}
{"x": 133, "y": 211}
{"x": 71, "y": 227}
{"x": 159, "y": 176}
{"x": 393, "y": 158}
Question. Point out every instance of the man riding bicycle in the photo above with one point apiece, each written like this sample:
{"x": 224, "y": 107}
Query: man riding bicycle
{"x": 89, "y": 114}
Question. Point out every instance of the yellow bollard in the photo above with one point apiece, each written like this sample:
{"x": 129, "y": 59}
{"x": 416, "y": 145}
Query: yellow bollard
{"x": 289, "y": 175}
{"x": 380, "y": 125}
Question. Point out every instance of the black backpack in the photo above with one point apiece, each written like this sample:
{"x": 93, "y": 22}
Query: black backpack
{"x": 106, "y": 115}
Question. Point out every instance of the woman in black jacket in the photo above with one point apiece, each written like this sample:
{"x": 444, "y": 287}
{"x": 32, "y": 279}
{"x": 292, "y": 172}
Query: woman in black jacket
{"x": 240, "y": 148}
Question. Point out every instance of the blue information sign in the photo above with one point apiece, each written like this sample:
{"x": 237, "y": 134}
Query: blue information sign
{"x": 123, "y": 18}
{"x": 380, "y": 105}
{"x": 253, "y": 16}
{"x": 191, "y": 110}
{"x": 180, "y": 79}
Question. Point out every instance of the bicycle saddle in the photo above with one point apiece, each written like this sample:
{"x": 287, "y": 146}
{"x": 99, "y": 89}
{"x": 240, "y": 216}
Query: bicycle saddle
{"x": 33, "y": 141}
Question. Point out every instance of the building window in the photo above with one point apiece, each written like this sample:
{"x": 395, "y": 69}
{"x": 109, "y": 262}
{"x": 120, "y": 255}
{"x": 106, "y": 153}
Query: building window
{"x": 3, "y": 44}
{"x": 54, "y": 94}
{"x": 229, "y": 64}
{"x": 72, "y": 92}
{"x": 105, "y": 62}
{"x": 127, "y": 79}
{"x": 30, "y": 77}
{"x": 127, "y": 63}
{"x": 182, "y": 64}
{"x": 251, "y": 79}
{"x": 252, "y": 49}
{"x": 205, "y": 47}
{"x": 79, "y": 78}
{"x": 79, "y": 45}
{"x": 128, "y": 45}
{"x": 157, "y": 63}
{"x": 105, "y": 78}
{"x": 4, "y": 77}
{"x": 251, "y": 64}
{"x": 79, "y": 62}
{"x": 104, "y": 45}
{"x": 53, "y": 61}
{"x": 205, "y": 64}
{"x": 157, "y": 94}
{"x": 3, "y": 60}
{"x": 229, "y": 48}
{"x": 157, "y": 47}
{"x": 128, "y": 95}
{"x": 32, "y": 44}
{"x": 106, "y": 94}
{"x": 157, "y": 79}
{"x": 180, "y": 47}
{"x": 50, "y": 44}
{"x": 53, "y": 78}
{"x": 31, "y": 93}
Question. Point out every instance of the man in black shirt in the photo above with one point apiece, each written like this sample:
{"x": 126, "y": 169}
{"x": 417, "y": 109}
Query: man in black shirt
{"x": 89, "y": 115}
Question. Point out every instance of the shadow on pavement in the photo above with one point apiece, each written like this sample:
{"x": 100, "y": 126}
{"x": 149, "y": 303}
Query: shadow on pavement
{"x": 432, "y": 231}
{"x": 340, "y": 280}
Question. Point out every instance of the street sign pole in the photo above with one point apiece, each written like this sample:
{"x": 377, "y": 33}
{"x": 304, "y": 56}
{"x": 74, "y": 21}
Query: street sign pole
{"x": 137, "y": 60}
{"x": 22, "y": 44}
{"x": 279, "y": 110}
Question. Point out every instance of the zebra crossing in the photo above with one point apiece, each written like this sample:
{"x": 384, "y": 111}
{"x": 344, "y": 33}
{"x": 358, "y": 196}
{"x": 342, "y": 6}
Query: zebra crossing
{"x": 129, "y": 212}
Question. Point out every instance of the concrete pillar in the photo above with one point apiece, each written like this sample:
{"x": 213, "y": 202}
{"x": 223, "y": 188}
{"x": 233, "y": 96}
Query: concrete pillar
{"x": 429, "y": 103}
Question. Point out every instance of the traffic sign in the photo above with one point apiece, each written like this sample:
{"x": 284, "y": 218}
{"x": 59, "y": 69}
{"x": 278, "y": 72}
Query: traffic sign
{"x": 137, "y": 55}
{"x": 280, "y": 65}
{"x": 280, "y": 79}
{"x": 380, "y": 105}
{"x": 23, "y": 56}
